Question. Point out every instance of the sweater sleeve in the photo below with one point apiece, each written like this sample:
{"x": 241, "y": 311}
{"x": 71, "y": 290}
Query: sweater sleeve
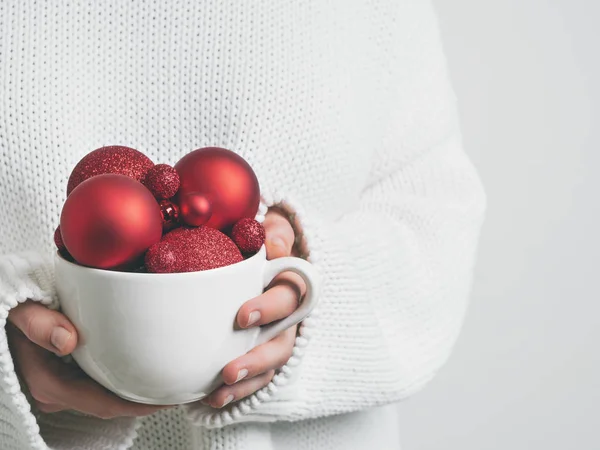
{"x": 30, "y": 276}
{"x": 22, "y": 276}
{"x": 396, "y": 277}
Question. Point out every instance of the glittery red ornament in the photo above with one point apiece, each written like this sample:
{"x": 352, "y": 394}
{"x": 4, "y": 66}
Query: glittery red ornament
{"x": 162, "y": 180}
{"x": 60, "y": 245}
{"x": 109, "y": 221}
{"x": 112, "y": 159}
{"x": 195, "y": 209}
{"x": 175, "y": 233}
{"x": 248, "y": 235}
{"x": 58, "y": 240}
{"x": 227, "y": 181}
{"x": 192, "y": 250}
{"x": 160, "y": 258}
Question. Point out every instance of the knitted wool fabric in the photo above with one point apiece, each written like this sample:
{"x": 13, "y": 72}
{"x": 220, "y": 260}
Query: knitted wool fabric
{"x": 344, "y": 110}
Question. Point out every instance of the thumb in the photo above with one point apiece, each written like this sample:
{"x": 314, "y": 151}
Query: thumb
{"x": 279, "y": 238}
{"x": 47, "y": 328}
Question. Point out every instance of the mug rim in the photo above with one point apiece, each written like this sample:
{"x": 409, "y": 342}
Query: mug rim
{"x": 116, "y": 273}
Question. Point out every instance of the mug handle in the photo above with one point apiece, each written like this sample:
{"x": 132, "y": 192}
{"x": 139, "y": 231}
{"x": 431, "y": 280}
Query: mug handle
{"x": 311, "y": 278}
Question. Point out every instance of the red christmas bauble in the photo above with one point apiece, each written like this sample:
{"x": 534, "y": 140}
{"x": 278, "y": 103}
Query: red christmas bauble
{"x": 60, "y": 245}
{"x": 109, "y": 221}
{"x": 225, "y": 179}
{"x": 195, "y": 209}
{"x": 112, "y": 159}
{"x": 170, "y": 214}
{"x": 58, "y": 240}
{"x": 174, "y": 233}
{"x": 192, "y": 250}
{"x": 248, "y": 235}
{"x": 162, "y": 180}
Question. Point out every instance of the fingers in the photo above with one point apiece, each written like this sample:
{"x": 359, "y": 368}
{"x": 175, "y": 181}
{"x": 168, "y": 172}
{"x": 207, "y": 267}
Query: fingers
{"x": 279, "y": 235}
{"x": 48, "y": 408}
{"x": 56, "y": 386}
{"x": 277, "y": 302}
{"x": 268, "y": 356}
{"x": 88, "y": 397}
{"x": 227, "y": 394}
{"x": 255, "y": 369}
{"x": 286, "y": 289}
{"x": 33, "y": 364}
{"x": 48, "y": 329}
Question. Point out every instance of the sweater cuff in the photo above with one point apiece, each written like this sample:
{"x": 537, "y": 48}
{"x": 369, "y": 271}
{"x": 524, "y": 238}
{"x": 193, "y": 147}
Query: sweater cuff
{"x": 30, "y": 276}
{"x": 26, "y": 276}
{"x": 282, "y": 395}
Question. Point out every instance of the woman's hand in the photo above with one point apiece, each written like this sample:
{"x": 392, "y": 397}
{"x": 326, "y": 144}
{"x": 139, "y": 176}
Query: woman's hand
{"x": 36, "y": 336}
{"x": 255, "y": 369}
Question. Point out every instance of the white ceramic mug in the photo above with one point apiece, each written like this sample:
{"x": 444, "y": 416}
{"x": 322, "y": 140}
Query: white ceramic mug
{"x": 164, "y": 338}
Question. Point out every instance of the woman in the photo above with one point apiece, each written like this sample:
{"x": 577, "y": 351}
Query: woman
{"x": 345, "y": 112}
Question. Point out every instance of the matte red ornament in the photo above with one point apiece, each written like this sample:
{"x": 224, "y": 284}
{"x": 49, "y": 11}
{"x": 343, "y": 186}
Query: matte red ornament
{"x": 162, "y": 180}
{"x": 109, "y": 221}
{"x": 112, "y": 159}
{"x": 225, "y": 179}
{"x": 195, "y": 209}
{"x": 248, "y": 235}
{"x": 192, "y": 250}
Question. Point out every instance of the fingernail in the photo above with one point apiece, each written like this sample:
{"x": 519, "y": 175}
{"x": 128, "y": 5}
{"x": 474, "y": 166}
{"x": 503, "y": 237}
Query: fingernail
{"x": 60, "y": 338}
{"x": 253, "y": 318}
{"x": 241, "y": 374}
{"x": 227, "y": 401}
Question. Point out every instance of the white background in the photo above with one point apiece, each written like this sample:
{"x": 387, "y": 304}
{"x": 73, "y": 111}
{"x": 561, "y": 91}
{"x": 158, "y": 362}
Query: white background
{"x": 526, "y": 370}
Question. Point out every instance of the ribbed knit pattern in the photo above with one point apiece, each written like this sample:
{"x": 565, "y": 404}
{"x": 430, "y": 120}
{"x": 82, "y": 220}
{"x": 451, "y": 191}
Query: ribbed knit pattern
{"x": 345, "y": 111}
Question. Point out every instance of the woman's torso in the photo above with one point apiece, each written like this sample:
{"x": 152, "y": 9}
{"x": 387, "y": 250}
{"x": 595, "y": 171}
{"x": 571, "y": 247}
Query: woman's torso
{"x": 306, "y": 91}
{"x": 300, "y": 89}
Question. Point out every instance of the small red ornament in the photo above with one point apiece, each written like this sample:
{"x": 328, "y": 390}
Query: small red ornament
{"x": 248, "y": 235}
{"x": 170, "y": 214}
{"x": 192, "y": 250}
{"x": 58, "y": 240}
{"x": 112, "y": 159}
{"x": 109, "y": 221}
{"x": 195, "y": 209}
{"x": 161, "y": 258}
{"x": 227, "y": 181}
{"x": 162, "y": 180}
{"x": 60, "y": 245}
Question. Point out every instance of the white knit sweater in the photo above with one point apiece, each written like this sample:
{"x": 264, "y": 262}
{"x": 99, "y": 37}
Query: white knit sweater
{"x": 344, "y": 110}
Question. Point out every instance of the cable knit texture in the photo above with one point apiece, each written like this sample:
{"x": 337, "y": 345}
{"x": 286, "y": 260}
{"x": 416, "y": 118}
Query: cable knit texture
{"x": 345, "y": 111}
